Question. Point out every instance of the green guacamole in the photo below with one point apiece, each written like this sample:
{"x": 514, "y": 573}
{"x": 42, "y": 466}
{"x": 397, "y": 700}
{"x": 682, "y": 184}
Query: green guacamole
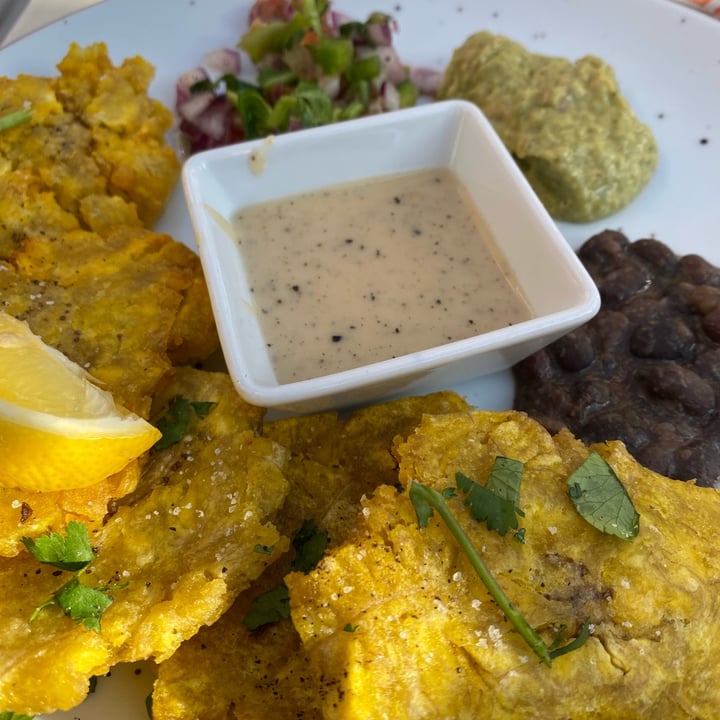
{"x": 570, "y": 130}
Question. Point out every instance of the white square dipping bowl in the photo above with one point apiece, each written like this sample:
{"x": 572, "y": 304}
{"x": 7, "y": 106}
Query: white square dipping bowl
{"x": 452, "y": 134}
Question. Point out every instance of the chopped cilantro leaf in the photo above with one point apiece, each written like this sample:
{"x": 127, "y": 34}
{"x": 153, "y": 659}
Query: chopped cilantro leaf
{"x": 15, "y": 716}
{"x": 556, "y": 649}
{"x": 71, "y": 551}
{"x": 175, "y": 423}
{"x": 426, "y": 500}
{"x": 601, "y": 499}
{"x": 351, "y": 628}
{"x": 496, "y": 502}
{"x": 264, "y": 549}
{"x": 268, "y": 607}
{"x": 85, "y": 605}
{"x": 310, "y": 543}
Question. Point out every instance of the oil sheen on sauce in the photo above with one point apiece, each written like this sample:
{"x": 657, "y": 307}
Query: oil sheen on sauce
{"x": 353, "y": 274}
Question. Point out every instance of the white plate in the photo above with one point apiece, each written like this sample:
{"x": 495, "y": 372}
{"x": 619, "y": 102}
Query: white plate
{"x": 666, "y": 57}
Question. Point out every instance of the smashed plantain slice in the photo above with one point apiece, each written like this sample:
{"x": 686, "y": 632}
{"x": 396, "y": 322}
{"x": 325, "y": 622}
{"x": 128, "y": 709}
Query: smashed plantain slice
{"x": 180, "y": 549}
{"x": 397, "y": 625}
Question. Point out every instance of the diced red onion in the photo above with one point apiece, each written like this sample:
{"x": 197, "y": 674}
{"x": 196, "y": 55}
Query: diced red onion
{"x": 223, "y": 60}
{"x": 395, "y": 71}
{"x": 333, "y": 21}
{"x": 195, "y": 105}
{"x": 186, "y": 81}
{"x": 380, "y": 33}
{"x": 426, "y": 79}
{"x": 216, "y": 121}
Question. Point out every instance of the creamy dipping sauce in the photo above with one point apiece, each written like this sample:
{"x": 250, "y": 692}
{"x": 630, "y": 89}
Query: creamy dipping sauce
{"x": 358, "y": 273}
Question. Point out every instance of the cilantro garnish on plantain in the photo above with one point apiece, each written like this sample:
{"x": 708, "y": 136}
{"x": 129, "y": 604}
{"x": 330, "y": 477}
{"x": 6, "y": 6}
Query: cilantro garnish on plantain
{"x": 595, "y": 490}
{"x": 175, "y": 423}
{"x": 13, "y": 119}
{"x": 600, "y": 498}
{"x": 274, "y": 605}
{"x": 496, "y": 504}
{"x": 72, "y": 552}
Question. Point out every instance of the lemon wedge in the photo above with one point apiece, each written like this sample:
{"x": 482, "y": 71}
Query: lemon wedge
{"x": 58, "y": 430}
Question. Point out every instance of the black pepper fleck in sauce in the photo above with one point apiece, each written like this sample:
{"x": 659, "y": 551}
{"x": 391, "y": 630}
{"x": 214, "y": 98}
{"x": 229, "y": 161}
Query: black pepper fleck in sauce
{"x": 405, "y": 264}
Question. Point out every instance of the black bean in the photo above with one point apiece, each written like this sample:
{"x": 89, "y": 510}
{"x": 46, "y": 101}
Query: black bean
{"x": 711, "y": 324}
{"x": 699, "y": 459}
{"x": 703, "y": 298}
{"x": 616, "y": 425}
{"x": 662, "y": 339}
{"x": 536, "y": 368}
{"x": 707, "y": 365}
{"x": 606, "y": 249}
{"x": 611, "y": 331}
{"x": 656, "y": 254}
{"x": 621, "y": 284}
{"x": 574, "y": 351}
{"x": 670, "y": 381}
{"x": 698, "y": 271}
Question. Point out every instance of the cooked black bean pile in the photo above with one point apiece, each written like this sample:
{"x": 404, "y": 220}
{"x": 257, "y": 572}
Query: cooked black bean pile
{"x": 646, "y": 369}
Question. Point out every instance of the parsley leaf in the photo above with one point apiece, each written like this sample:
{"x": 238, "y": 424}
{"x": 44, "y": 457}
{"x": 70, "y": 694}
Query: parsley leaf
{"x": 71, "y": 551}
{"x": 175, "y": 423}
{"x": 600, "y": 498}
{"x": 496, "y": 502}
{"x": 268, "y": 607}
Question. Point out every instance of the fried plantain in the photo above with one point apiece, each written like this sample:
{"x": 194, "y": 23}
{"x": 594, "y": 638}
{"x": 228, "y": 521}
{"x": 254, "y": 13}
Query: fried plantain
{"x": 398, "y": 625}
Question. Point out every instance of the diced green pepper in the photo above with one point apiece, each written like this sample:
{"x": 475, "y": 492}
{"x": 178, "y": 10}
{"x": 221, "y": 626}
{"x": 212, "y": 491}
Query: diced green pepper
{"x": 408, "y": 93}
{"x": 333, "y": 55}
{"x": 366, "y": 69}
{"x": 254, "y": 112}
